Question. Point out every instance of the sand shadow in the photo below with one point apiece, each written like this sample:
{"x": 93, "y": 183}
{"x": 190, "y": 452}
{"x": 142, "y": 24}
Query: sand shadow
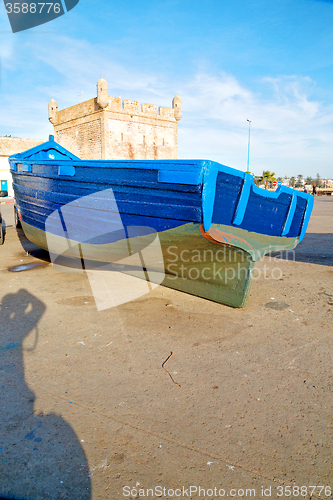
{"x": 40, "y": 455}
{"x": 31, "y": 248}
{"x": 316, "y": 248}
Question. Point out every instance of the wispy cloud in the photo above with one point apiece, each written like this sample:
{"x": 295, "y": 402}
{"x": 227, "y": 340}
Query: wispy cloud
{"x": 291, "y": 130}
{"x": 65, "y": 69}
{"x": 78, "y": 65}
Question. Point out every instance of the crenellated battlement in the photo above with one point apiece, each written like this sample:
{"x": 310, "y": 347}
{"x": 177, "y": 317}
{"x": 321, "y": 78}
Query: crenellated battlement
{"x": 108, "y": 103}
{"x": 115, "y": 104}
{"x": 118, "y": 128}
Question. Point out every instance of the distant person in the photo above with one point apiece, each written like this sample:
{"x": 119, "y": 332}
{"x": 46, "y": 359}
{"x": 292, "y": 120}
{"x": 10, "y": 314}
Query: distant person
{"x": 305, "y": 189}
{"x": 314, "y": 190}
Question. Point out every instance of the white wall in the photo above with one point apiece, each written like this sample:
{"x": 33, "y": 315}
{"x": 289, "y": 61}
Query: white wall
{"x": 5, "y": 174}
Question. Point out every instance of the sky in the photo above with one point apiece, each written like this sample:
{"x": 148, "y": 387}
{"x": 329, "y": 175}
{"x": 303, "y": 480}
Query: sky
{"x": 269, "y": 61}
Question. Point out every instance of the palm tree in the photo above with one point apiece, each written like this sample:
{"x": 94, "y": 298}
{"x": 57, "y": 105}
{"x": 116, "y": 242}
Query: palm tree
{"x": 256, "y": 180}
{"x": 299, "y": 181}
{"x": 268, "y": 177}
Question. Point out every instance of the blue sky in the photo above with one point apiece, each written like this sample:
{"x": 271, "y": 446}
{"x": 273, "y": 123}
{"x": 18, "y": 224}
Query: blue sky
{"x": 267, "y": 60}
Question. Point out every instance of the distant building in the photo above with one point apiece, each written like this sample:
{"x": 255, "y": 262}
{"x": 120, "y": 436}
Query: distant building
{"x": 10, "y": 146}
{"x": 107, "y": 128}
{"x": 327, "y": 183}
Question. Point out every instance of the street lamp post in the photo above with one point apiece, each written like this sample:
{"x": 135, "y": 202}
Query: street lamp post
{"x": 248, "y": 148}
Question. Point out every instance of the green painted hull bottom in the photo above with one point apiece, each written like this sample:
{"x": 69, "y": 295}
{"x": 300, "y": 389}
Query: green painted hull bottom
{"x": 192, "y": 263}
{"x": 256, "y": 244}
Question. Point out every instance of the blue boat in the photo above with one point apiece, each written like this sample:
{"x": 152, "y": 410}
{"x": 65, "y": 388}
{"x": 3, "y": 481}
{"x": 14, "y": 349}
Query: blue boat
{"x": 205, "y": 215}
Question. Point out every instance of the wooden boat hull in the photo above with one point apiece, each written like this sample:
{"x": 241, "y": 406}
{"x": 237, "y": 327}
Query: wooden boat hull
{"x": 188, "y": 262}
{"x": 98, "y": 210}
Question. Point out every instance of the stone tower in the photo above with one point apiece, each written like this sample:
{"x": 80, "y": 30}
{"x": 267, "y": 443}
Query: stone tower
{"x": 108, "y": 128}
{"x": 102, "y": 93}
{"x": 177, "y": 107}
{"x": 53, "y": 109}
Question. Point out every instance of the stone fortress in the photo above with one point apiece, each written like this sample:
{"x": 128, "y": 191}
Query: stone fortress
{"x": 105, "y": 128}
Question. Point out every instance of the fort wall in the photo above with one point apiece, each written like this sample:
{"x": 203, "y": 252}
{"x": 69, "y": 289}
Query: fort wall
{"x": 12, "y": 145}
{"x": 8, "y": 147}
{"x": 108, "y": 128}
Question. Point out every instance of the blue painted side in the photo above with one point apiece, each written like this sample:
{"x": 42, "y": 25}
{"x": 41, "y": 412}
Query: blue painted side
{"x": 299, "y": 217}
{"x": 228, "y": 189}
{"x": 176, "y": 177}
{"x": 264, "y": 216}
{"x": 144, "y": 202}
{"x": 66, "y": 170}
{"x": 161, "y": 194}
{"x": 142, "y": 199}
{"x": 78, "y": 227}
{"x": 290, "y": 216}
{"x": 307, "y": 216}
{"x": 240, "y": 203}
{"x": 4, "y": 185}
{"x": 208, "y": 194}
{"x": 243, "y": 200}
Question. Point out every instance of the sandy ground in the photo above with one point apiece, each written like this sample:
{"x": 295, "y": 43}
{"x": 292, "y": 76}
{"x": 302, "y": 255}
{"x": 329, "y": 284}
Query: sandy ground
{"x": 88, "y": 411}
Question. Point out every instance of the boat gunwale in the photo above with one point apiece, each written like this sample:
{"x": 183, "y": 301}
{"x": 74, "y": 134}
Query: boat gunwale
{"x": 147, "y": 165}
{"x": 202, "y": 173}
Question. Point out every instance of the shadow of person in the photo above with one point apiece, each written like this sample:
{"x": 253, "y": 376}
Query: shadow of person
{"x": 40, "y": 455}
